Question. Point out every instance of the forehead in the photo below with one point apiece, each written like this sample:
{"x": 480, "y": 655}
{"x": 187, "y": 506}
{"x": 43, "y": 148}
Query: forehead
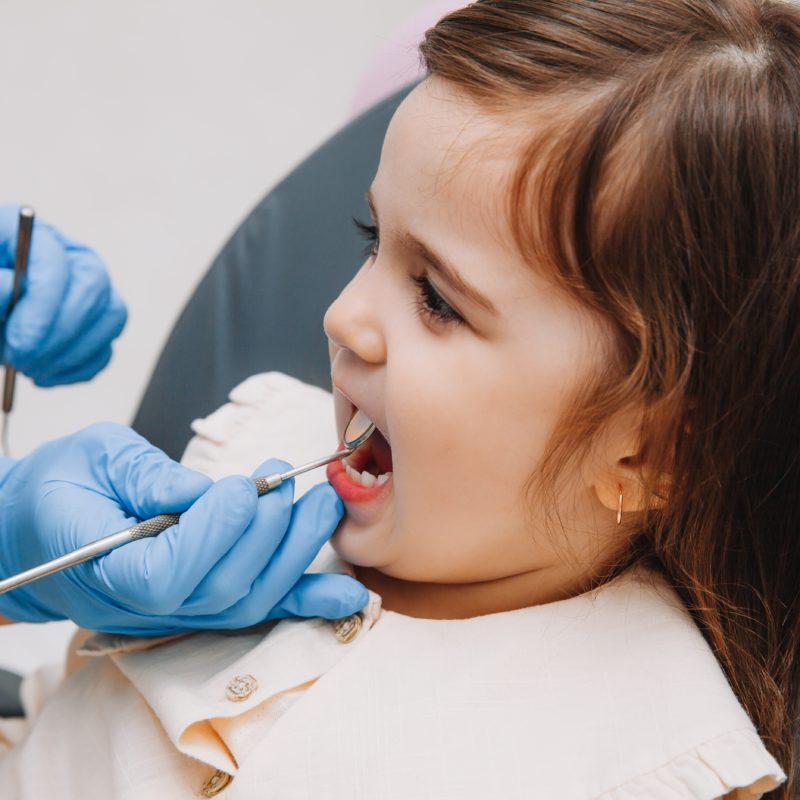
{"x": 445, "y": 174}
{"x": 444, "y": 154}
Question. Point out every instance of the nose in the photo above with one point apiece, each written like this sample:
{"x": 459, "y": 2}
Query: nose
{"x": 353, "y": 319}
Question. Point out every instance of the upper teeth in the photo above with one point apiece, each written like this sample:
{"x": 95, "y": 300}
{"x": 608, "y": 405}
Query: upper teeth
{"x": 366, "y": 478}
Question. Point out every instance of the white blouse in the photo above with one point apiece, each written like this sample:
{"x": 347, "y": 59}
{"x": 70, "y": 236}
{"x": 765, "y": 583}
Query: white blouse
{"x": 611, "y": 694}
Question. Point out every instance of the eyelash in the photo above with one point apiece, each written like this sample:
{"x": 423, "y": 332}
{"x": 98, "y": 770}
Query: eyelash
{"x": 429, "y": 303}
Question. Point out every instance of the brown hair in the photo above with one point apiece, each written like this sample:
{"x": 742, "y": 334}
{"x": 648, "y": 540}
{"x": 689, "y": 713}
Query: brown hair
{"x": 668, "y": 200}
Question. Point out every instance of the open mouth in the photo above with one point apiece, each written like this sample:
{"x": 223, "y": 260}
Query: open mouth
{"x": 364, "y": 479}
{"x": 371, "y": 463}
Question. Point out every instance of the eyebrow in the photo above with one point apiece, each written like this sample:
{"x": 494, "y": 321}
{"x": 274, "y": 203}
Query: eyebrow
{"x": 437, "y": 263}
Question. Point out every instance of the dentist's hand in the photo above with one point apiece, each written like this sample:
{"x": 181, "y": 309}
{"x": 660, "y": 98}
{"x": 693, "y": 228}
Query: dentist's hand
{"x": 64, "y": 322}
{"x": 232, "y": 561}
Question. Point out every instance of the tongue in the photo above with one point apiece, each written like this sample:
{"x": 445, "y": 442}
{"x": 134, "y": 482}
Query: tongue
{"x": 381, "y": 452}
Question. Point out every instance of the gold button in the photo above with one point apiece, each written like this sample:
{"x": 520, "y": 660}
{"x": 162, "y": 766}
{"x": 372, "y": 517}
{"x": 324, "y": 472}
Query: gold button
{"x": 216, "y": 783}
{"x": 241, "y": 687}
{"x": 347, "y": 628}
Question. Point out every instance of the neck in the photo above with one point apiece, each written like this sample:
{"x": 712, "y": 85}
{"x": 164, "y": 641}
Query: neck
{"x": 460, "y": 601}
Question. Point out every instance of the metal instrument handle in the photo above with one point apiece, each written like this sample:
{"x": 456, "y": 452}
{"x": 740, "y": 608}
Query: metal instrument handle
{"x": 145, "y": 529}
{"x": 24, "y": 234}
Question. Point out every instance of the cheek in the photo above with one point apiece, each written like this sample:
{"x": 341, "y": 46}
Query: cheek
{"x": 449, "y": 470}
{"x": 470, "y": 412}
{"x": 468, "y": 434}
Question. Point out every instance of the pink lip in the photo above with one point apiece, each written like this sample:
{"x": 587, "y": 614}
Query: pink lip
{"x": 348, "y": 489}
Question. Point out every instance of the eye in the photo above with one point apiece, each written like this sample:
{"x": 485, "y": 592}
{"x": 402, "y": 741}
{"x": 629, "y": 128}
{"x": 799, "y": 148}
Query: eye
{"x": 370, "y": 233}
{"x": 432, "y": 305}
{"x": 429, "y": 304}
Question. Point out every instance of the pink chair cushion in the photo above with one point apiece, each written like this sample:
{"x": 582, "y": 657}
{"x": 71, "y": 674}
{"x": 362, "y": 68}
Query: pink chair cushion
{"x": 397, "y": 63}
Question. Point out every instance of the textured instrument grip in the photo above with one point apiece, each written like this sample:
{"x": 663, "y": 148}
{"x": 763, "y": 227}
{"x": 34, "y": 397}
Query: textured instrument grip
{"x": 153, "y": 526}
{"x": 266, "y": 483}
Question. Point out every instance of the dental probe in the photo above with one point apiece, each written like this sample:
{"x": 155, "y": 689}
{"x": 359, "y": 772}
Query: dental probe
{"x": 358, "y": 430}
{"x": 24, "y": 231}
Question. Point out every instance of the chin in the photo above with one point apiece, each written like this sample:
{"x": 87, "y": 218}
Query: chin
{"x": 358, "y": 546}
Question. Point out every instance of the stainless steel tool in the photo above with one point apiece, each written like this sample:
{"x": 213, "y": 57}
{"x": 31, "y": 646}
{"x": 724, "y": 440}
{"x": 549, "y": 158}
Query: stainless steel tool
{"x": 358, "y": 430}
{"x": 24, "y": 233}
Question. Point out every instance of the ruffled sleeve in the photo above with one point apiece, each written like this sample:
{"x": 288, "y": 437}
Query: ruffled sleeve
{"x": 735, "y": 764}
{"x": 270, "y": 415}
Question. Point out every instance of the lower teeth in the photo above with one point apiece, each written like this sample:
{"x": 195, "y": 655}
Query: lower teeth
{"x": 366, "y": 478}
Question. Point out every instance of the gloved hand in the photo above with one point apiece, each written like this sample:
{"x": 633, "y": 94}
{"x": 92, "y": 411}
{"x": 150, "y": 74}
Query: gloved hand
{"x": 64, "y": 322}
{"x": 232, "y": 561}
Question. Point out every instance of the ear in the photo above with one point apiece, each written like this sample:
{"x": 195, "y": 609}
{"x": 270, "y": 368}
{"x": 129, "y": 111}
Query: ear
{"x": 620, "y": 466}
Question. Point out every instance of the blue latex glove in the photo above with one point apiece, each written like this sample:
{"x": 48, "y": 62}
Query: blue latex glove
{"x": 64, "y": 322}
{"x": 232, "y": 561}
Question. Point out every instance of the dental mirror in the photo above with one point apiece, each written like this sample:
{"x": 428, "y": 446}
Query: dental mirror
{"x": 358, "y": 430}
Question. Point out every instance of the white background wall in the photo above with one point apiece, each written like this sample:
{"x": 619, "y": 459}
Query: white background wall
{"x": 149, "y": 129}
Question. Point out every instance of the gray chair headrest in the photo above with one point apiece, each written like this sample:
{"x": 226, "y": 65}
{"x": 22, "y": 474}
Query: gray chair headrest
{"x": 260, "y": 305}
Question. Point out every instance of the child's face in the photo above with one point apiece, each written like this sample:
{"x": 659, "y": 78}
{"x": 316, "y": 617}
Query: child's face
{"x": 466, "y": 406}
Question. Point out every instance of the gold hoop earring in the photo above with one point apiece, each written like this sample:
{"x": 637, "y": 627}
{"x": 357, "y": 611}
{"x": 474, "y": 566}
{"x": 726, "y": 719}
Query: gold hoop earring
{"x": 619, "y": 508}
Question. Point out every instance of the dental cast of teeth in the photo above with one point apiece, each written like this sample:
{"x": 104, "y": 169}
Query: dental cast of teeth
{"x": 366, "y": 478}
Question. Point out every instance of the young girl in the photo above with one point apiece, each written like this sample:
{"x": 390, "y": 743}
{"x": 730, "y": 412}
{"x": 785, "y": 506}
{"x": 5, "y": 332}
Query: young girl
{"x": 577, "y": 334}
